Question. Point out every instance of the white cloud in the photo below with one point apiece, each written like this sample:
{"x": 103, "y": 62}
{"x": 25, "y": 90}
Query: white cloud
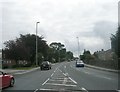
{"x": 62, "y": 20}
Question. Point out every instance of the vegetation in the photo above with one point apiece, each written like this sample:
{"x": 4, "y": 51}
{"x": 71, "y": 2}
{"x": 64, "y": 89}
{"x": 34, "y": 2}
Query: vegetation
{"x": 24, "y": 48}
{"x": 115, "y": 42}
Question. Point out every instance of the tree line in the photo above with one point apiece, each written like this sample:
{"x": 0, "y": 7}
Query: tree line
{"x": 94, "y": 59}
{"x": 24, "y": 48}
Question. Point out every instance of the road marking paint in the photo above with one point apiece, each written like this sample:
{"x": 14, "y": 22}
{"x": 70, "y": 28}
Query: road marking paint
{"x": 55, "y": 80}
{"x": 87, "y": 72}
{"x": 65, "y": 80}
{"x": 46, "y": 81}
{"x": 60, "y": 84}
{"x": 60, "y": 70}
{"x": 107, "y": 78}
{"x": 64, "y": 74}
{"x": 36, "y": 90}
{"x": 84, "y": 89}
{"x": 52, "y": 74}
{"x": 64, "y": 66}
{"x": 118, "y": 90}
{"x": 47, "y": 89}
{"x": 59, "y": 80}
{"x": 72, "y": 80}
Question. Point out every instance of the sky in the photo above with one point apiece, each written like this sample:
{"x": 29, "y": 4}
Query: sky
{"x": 92, "y": 21}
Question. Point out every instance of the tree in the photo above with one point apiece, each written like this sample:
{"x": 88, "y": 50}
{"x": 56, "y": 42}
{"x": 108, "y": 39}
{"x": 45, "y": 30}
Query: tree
{"x": 115, "y": 42}
{"x": 69, "y": 55}
{"x": 24, "y": 48}
{"x": 58, "y": 51}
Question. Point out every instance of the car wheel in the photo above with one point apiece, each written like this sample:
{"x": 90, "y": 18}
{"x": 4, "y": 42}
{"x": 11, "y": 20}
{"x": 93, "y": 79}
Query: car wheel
{"x": 12, "y": 81}
{"x": 41, "y": 68}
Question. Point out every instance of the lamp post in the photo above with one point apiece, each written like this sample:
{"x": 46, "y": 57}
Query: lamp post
{"x": 78, "y": 46}
{"x": 36, "y": 44}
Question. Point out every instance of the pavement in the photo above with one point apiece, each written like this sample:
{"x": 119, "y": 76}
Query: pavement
{"x": 101, "y": 68}
{"x": 16, "y": 72}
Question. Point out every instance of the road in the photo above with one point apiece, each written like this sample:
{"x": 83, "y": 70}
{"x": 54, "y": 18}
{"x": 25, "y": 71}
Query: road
{"x": 64, "y": 76}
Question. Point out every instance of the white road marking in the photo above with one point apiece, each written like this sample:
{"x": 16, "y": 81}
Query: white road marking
{"x": 84, "y": 89}
{"x": 64, "y": 66}
{"x": 72, "y": 80}
{"x": 60, "y": 70}
{"x": 60, "y": 84}
{"x": 87, "y": 72}
{"x": 52, "y": 74}
{"x": 107, "y": 78}
{"x": 65, "y": 80}
{"x": 47, "y": 89}
{"x": 59, "y": 80}
{"x": 36, "y": 90}
{"x": 46, "y": 81}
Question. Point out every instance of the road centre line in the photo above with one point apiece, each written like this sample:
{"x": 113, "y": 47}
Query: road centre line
{"x": 72, "y": 80}
{"x": 36, "y": 90}
{"x": 59, "y": 70}
{"x": 64, "y": 66}
{"x": 52, "y": 74}
{"x": 46, "y": 81}
{"x": 60, "y": 84}
{"x": 84, "y": 89}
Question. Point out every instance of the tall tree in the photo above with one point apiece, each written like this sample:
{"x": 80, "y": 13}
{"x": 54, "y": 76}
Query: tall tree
{"x": 115, "y": 42}
{"x": 23, "y": 48}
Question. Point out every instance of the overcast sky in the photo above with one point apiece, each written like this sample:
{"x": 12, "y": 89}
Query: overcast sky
{"x": 93, "y": 21}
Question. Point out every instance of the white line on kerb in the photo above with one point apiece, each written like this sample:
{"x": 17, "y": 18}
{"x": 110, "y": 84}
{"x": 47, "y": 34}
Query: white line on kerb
{"x": 46, "y": 81}
{"x": 36, "y": 90}
{"x": 72, "y": 80}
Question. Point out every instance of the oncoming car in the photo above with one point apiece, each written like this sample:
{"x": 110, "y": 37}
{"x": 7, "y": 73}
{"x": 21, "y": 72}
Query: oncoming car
{"x": 6, "y": 80}
{"x": 79, "y": 63}
{"x": 45, "y": 65}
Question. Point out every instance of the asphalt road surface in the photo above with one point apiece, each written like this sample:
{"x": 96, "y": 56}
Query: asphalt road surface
{"x": 65, "y": 76}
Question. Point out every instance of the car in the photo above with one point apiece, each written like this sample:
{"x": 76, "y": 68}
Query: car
{"x": 79, "y": 63}
{"x": 45, "y": 65}
{"x": 6, "y": 80}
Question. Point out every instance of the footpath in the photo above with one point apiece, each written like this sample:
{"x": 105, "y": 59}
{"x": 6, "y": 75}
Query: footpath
{"x": 100, "y": 68}
{"x": 17, "y": 72}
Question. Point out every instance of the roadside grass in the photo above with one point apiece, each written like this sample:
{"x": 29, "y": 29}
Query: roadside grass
{"x": 24, "y": 68}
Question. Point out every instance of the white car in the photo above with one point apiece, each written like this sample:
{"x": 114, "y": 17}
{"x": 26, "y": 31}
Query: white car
{"x": 79, "y": 63}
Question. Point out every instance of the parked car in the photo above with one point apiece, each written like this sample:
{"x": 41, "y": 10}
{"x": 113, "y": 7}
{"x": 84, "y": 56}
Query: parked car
{"x": 45, "y": 65}
{"x": 79, "y": 63}
{"x": 6, "y": 80}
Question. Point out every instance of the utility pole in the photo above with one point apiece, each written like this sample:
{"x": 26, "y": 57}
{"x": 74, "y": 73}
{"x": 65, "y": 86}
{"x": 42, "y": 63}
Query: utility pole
{"x": 37, "y": 43}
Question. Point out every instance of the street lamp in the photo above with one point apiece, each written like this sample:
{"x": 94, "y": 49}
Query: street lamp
{"x": 78, "y": 45}
{"x": 36, "y": 44}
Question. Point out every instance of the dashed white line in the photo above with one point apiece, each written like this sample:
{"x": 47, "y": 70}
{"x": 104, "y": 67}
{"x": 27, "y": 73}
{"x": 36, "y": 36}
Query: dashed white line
{"x": 46, "y": 81}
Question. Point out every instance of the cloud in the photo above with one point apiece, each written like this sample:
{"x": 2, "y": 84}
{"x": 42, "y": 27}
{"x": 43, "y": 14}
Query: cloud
{"x": 62, "y": 21}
